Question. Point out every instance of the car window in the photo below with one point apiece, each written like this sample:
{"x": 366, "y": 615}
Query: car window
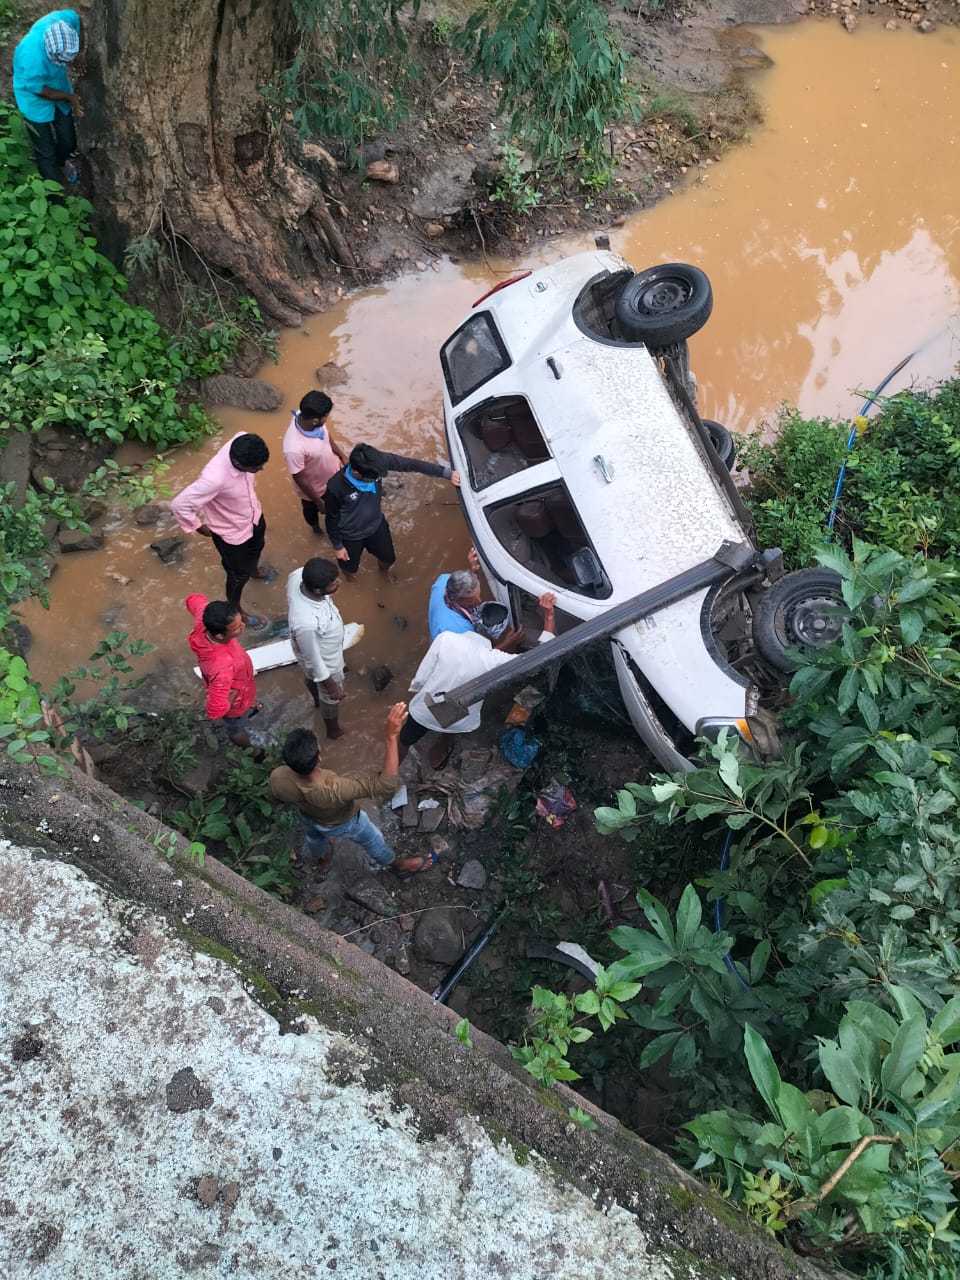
{"x": 500, "y": 437}
{"x": 475, "y": 354}
{"x": 543, "y": 532}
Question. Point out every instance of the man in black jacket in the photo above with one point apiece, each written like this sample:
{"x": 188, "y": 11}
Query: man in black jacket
{"x": 355, "y": 519}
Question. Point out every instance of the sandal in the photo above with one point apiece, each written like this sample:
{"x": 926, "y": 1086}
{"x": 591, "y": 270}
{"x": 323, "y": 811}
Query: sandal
{"x": 425, "y": 861}
{"x": 266, "y": 573}
{"x": 253, "y": 622}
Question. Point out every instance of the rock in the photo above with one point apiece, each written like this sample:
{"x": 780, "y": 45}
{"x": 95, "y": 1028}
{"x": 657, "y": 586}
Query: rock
{"x": 199, "y": 777}
{"x": 410, "y": 817}
{"x": 22, "y": 638}
{"x": 472, "y": 875}
{"x": 439, "y": 937}
{"x": 93, "y": 509}
{"x": 430, "y": 819}
{"x": 207, "y": 1189}
{"x": 170, "y": 550}
{"x": 15, "y": 463}
{"x": 381, "y": 677}
{"x": 849, "y": 21}
{"x": 230, "y": 1193}
{"x": 241, "y": 393}
{"x": 149, "y": 513}
{"x": 435, "y": 229}
{"x": 400, "y": 622}
{"x": 186, "y": 1093}
{"x": 247, "y": 358}
{"x": 382, "y": 171}
{"x": 926, "y": 26}
{"x": 316, "y": 903}
{"x": 401, "y": 960}
{"x": 331, "y": 375}
{"x": 77, "y": 540}
{"x": 369, "y": 894}
{"x": 369, "y": 946}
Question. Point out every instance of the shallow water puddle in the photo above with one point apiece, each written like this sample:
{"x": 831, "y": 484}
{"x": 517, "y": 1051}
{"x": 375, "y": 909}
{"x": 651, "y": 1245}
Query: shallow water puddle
{"x": 833, "y": 244}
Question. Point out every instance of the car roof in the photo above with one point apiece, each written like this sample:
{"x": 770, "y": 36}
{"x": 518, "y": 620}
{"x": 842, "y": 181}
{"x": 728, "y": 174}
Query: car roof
{"x": 664, "y": 509}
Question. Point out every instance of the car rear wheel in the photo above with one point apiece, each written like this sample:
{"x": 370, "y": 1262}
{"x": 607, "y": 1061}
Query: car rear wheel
{"x": 664, "y": 304}
{"x": 722, "y": 442}
{"x": 801, "y": 610}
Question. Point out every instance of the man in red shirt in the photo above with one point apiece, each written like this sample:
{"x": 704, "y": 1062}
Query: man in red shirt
{"x": 225, "y": 666}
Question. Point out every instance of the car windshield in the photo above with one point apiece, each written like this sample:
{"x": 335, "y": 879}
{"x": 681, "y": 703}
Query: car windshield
{"x": 474, "y": 354}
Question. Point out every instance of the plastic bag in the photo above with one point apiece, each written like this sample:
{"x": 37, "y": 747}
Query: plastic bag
{"x": 519, "y": 747}
{"x": 555, "y": 803}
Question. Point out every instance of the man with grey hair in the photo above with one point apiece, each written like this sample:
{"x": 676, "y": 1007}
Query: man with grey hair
{"x": 454, "y": 599}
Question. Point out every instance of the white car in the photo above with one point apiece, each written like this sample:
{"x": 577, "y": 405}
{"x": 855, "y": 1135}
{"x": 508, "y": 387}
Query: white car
{"x": 587, "y": 471}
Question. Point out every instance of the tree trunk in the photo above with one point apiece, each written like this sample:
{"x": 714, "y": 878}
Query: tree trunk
{"x": 179, "y": 144}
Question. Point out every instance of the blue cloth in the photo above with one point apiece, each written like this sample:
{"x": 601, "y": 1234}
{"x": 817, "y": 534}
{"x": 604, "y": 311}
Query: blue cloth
{"x": 33, "y": 70}
{"x": 359, "y": 829}
{"x": 440, "y": 617}
{"x": 317, "y": 433}
{"x": 365, "y": 486}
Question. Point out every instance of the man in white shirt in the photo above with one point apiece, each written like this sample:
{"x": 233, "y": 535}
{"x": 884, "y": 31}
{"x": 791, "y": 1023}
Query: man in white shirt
{"x": 316, "y": 633}
{"x": 453, "y": 658}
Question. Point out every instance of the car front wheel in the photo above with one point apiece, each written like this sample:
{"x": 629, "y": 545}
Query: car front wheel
{"x": 801, "y": 610}
{"x": 664, "y": 304}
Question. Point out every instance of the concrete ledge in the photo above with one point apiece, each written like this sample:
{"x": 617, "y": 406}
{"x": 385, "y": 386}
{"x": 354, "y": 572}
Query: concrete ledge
{"x": 294, "y": 968}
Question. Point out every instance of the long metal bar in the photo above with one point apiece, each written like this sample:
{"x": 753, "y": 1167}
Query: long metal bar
{"x": 449, "y": 706}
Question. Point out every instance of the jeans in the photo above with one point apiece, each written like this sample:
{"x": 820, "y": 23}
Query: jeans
{"x": 359, "y": 829}
{"x": 52, "y": 143}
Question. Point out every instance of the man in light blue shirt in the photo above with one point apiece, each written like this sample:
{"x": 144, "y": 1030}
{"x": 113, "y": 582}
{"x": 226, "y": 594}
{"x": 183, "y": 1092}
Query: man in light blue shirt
{"x": 454, "y": 598}
{"x": 44, "y": 95}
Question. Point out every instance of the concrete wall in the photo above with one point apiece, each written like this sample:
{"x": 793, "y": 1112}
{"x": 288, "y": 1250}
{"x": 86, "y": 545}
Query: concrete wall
{"x": 158, "y": 1122}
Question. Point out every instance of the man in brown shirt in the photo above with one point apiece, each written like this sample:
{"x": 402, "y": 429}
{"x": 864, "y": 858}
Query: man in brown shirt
{"x": 328, "y": 801}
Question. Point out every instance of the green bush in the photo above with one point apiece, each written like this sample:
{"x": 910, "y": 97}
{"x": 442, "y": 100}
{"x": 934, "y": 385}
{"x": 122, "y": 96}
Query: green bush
{"x": 902, "y": 485}
{"x": 76, "y": 352}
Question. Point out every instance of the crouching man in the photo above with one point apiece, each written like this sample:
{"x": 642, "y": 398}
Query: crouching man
{"x": 328, "y": 802}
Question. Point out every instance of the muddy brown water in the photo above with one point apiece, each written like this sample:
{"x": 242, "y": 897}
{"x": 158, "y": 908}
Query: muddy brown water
{"x": 833, "y": 243}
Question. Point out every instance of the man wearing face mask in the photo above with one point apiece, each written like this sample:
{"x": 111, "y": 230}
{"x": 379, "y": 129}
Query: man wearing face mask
{"x": 455, "y": 599}
{"x": 354, "y": 501}
{"x": 312, "y": 455}
{"x": 44, "y": 95}
{"x": 455, "y": 657}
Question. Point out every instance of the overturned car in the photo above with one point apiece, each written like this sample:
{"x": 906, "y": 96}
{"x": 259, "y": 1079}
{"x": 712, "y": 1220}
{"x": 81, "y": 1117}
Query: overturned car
{"x": 587, "y": 471}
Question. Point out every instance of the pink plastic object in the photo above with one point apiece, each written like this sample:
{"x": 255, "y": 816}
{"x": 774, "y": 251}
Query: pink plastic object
{"x": 555, "y": 803}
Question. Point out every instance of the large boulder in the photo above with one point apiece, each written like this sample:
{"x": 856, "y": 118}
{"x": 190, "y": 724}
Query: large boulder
{"x": 241, "y": 393}
{"x": 77, "y": 540}
{"x": 442, "y": 935}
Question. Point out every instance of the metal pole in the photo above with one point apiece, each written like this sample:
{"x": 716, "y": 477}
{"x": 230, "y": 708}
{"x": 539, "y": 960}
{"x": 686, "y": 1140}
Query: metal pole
{"x": 730, "y": 558}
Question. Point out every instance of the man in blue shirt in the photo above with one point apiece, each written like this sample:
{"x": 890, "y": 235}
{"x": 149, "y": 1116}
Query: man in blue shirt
{"x": 43, "y": 92}
{"x": 454, "y": 598}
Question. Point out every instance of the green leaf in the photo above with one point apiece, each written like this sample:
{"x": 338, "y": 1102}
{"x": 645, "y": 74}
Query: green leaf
{"x": 842, "y": 1076}
{"x": 689, "y": 916}
{"x": 763, "y": 1069}
{"x": 905, "y": 1054}
{"x": 842, "y": 1126}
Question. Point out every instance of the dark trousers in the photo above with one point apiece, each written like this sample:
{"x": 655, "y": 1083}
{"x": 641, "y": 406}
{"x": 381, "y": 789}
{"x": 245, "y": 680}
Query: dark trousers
{"x": 311, "y": 512}
{"x": 240, "y": 561}
{"x": 379, "y": 544}
{"x": 52, "y": 143}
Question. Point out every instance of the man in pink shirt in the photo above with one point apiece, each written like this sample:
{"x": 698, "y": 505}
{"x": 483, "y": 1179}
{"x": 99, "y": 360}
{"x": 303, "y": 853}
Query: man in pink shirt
{"x": 312, "y": 455}
{"x": 225, "y": 666}
{"x": 222, "y": 504}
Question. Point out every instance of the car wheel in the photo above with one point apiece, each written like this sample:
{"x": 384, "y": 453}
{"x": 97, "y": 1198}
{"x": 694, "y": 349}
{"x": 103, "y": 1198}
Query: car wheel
{"x": 664, "y": 305}
{"x": 722, "y": 442}
{"x": 801, "y": 610}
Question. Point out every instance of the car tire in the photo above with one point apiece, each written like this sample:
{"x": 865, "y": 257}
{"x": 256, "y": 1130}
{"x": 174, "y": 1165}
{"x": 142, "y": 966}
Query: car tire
{"x": 801, "y": 610}
{"x": 722, "y": 442}
{"x": 664, "y": 305}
